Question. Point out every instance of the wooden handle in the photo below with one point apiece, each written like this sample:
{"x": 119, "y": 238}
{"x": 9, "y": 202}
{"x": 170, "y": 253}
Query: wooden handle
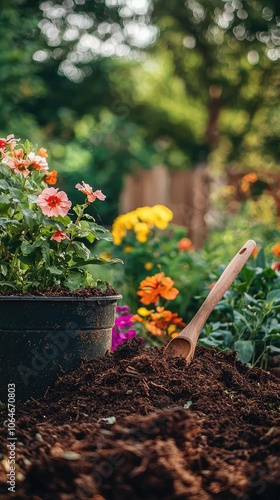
{"x": 192, "y": 331}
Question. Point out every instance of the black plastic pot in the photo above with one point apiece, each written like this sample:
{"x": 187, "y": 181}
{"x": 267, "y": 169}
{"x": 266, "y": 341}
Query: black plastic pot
{"x": 42, "y": 338}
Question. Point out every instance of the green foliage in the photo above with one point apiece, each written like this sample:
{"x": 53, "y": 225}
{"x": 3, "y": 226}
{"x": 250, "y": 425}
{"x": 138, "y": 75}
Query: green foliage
{"x": 41, "y": 246}
{"x": 247, "y": 318}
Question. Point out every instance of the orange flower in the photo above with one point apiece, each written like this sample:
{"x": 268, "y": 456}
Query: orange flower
{"x": 247, "y": 180}
{"x": 251, "y": 178}
{"x": 255, "y": 251}
{"x": 18, "y": 163}
{"x": 276, "y": 250}
{"x": 43, "y": 153}
{"x": 160, "y": 322}
{"x": 185, "y": 244}
{"x": 154, "y": 287}
{"x": 51, "y": 177}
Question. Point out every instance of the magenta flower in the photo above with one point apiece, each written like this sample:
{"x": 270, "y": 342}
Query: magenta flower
{"x": 122, "y": 330}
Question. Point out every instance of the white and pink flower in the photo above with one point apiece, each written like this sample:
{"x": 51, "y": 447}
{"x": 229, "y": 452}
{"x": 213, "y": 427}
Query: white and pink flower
{"x": 37, "y": 162}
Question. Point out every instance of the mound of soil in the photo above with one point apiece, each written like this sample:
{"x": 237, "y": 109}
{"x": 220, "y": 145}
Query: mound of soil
{"x": 134, "y": 425}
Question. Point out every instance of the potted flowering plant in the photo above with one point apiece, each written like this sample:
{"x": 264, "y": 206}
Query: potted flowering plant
{"x": 53, "y": 311}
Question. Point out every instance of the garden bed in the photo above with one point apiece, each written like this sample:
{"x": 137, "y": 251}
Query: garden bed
{"x": 134, "y": 425}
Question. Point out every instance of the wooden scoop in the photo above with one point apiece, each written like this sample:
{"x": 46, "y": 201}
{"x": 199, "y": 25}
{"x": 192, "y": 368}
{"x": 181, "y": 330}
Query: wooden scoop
{"x": 185, "y": 343}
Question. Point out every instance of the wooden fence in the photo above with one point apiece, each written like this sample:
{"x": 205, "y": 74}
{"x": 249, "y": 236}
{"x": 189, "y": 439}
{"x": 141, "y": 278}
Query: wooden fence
{"x": 186, "y": 193}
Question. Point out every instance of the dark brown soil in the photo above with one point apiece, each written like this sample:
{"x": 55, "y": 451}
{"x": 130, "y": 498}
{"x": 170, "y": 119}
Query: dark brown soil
{"x": 134, "y": 425}
{"x": 104, "y": 291}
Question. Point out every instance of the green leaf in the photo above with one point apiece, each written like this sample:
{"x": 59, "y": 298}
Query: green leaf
{"x": 273, "y": 294}
{"x": 74, "y": 281}
{"x": 81, "y": 251}
{"x": 100, "y": 232}
{"x": 245, "y": 350}
{"x": 247, "y": 274}
{"x": 64, "y": 220}
{"x": 4, "y": 222}
{"x": 4, "y": 184}
{"x": 5, "y": 199}
{"x": 28, "y": 248}
{"x": 96, "y": 260}
{"x": 273, "y": 348}
{"x": 16, "y": 194}
{"x": 28, "y": 216}
{"x": 4, "y": 269}
{"x": 3, "y": 284}
{"x": 260, "y": 260}
{"x": 78, "y": 209}
{"x": 54, "y": 270}
{"x": 45, "y": 249}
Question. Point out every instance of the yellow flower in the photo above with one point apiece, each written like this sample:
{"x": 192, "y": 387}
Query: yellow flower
{"x": 162, "y": 216}
{"x": 171, "y": 329}
{"x": 141, "y": 231}
{"x": 148, "y": 266}
{"x": 143, "y": 311}
{"x": 128, "y": 249}
{"x": 118, "y": 233}
{"x": 145, "y": 214}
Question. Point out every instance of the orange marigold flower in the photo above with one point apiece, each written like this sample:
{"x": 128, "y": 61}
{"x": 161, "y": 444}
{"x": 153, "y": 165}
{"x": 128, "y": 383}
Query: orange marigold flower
{"x": 154, "y": 287}
{"x": 51, "y": 177}
{"x": 185, "y": 244}
{"x": 163, "y": 321}
{"x": 276, "y": 250}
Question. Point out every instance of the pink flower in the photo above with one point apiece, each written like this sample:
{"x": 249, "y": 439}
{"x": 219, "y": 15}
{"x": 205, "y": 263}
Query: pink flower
{"x": 90, "y": 194}
{"x": 59, "y": 236}
{"x": 53, "y": 202}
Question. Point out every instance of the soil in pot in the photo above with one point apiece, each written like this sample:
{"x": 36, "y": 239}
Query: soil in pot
{"x": 133, "y": 425}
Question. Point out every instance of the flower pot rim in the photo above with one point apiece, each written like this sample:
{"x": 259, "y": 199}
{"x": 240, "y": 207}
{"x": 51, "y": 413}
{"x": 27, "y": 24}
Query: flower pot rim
{"x": 59, "y": 298}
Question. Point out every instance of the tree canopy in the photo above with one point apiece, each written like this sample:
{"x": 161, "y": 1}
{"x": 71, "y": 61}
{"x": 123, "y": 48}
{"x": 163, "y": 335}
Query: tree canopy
{"x": 111, "y": 85}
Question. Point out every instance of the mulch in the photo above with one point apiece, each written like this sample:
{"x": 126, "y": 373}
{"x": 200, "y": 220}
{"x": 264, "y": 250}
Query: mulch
{"x": 135, "y": 425}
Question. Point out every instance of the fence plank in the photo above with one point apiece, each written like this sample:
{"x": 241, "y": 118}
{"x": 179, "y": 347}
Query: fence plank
{"x": 186, "y": 193}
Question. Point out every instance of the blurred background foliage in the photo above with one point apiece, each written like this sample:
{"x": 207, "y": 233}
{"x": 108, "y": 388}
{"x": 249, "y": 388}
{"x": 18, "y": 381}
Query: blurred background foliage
{"x": 111, "y": 85}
